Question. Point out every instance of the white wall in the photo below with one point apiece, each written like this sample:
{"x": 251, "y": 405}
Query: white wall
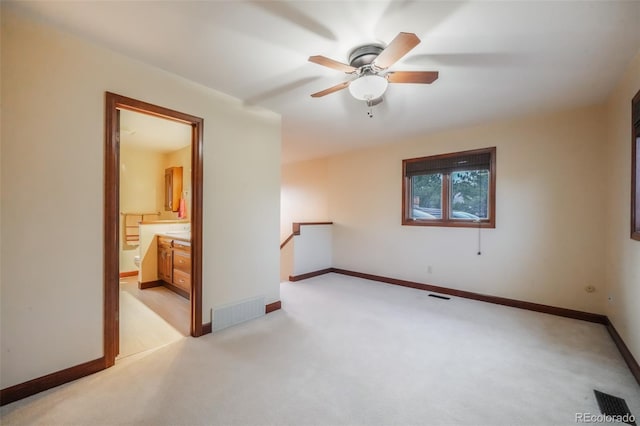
{"x": 547, "y": 244}
{"x": 51, "y": 286}
{"x": 312, "y": 249}
{"x": 623, "y": 253}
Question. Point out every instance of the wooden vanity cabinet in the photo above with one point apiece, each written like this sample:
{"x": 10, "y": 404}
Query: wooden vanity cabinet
{"x": 174, "y": 265}
{"x": 182, "y": 266}
{"x": 165, "y": 259}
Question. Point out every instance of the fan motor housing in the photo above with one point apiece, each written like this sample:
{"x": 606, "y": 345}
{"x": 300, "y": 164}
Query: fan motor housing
{"x": 364, "y": 55}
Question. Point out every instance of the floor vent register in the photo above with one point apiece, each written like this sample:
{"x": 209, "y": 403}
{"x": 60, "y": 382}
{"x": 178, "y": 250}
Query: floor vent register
{"x": 439, "y": 297}
{"x": 615, "y": 407}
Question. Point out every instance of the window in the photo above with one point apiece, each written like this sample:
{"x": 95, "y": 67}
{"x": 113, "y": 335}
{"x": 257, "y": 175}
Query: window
{"x": 455, "y": 189}
{"x": 635, "y": 168}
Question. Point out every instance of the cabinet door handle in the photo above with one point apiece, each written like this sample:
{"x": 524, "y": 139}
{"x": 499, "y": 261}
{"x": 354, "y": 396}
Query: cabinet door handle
{"x": 181, "y": 281}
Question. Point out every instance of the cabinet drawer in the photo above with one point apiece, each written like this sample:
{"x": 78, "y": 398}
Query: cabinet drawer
{"x": 182, "y": 280}
{"x": 182, "y": 261}
{"x": 181, "y": 245}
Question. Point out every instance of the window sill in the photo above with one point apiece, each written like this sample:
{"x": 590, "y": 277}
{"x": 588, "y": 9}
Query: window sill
{"x": 448, "y": 223}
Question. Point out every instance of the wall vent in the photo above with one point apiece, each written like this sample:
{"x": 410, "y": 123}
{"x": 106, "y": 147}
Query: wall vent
{"x": 615, "y": 407}
{"x": 232, "y": 314}
{"x": 437, "y": 296}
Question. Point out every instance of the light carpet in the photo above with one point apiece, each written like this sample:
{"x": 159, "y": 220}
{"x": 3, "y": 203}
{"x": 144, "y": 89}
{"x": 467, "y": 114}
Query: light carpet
{"x": 346, "y": 351}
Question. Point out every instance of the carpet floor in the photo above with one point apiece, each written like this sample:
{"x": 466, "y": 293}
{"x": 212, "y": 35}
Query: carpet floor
{"x": 346, "y": 351}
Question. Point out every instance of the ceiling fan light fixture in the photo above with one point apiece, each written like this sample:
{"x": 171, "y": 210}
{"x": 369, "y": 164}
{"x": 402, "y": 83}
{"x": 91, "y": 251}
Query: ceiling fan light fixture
{"x": 369, "y": 63}
{"x": 368, "y": 87}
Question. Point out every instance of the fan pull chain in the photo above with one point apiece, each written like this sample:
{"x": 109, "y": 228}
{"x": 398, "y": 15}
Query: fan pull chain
{"x": 370, "y": 106}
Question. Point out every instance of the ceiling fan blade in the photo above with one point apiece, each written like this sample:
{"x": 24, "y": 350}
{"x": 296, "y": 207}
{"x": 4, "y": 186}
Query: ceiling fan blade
{"x": 424, "y": 77}
{"x": 335, "y": 88}
{"x": 398, "y": 47}
{"x": 327, "y": 62}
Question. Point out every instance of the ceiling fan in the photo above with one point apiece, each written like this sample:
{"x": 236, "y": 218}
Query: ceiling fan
{"x": 369, "y": 63}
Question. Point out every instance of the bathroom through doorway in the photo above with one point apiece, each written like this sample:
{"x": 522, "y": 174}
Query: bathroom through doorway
{"x": 153, "y": 223}
{"x": 155, "y": 206}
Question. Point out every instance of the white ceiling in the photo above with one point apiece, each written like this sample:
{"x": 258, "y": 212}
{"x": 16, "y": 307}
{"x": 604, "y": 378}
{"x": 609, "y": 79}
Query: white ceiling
{"x": 496, "y": 59}
{"x": 143, "y": 131}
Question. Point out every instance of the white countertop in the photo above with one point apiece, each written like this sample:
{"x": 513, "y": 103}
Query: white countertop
{"x": 177, "y": 235}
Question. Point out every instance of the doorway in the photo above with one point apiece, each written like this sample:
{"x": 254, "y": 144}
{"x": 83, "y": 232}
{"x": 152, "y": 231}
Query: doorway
{"x": 153, "y": 311}
{"x": 114, "y": 105}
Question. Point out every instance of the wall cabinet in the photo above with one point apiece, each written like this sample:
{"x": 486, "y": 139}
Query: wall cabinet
{"x": 174, "y": 265}
{"x": 172, "y": 188}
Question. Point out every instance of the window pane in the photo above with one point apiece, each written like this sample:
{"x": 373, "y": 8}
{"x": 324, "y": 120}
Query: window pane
{"x": 426, "y": 193}
{"x": 470, "y": 195}
{"x": 454, "y": 189}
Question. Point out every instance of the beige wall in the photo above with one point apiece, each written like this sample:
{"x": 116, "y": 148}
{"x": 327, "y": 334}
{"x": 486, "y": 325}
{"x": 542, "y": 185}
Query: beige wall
{"x": 562, "y": 214}
{"x": 304, "y": 194}
{"x": 547, "y": 245}
{"x": 141, "y": 180}
{"x": 141, "y": 191}
{"x": 304, "y": 197}
{"x": 142, "y": 188}
{"x": 51, "y": 286}
{"x": 623, "y": 253}
{"x": 286, "y": 261}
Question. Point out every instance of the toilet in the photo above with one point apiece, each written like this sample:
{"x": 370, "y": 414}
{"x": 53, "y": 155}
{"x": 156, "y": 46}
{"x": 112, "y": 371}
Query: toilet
{"x": 136, "y": 258}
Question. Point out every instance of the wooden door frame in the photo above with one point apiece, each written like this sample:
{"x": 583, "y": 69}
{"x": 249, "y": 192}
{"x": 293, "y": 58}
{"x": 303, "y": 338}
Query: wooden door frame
{"x": 114, "y": 103}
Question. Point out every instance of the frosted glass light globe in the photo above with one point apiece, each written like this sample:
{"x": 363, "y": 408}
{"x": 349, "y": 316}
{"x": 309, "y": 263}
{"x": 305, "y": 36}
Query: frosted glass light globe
{"x": 368, "y": 87}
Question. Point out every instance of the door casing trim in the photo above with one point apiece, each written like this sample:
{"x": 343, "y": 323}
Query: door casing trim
{"x": 113, "y": 103}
